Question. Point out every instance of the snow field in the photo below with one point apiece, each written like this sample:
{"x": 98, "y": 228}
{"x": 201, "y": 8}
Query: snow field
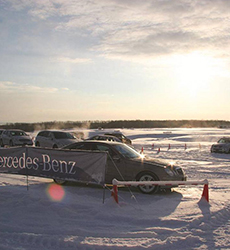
{"x": 31, "y": 220}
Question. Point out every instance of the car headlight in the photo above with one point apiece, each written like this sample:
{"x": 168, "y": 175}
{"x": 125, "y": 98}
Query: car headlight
{"x": 169, "y": 171}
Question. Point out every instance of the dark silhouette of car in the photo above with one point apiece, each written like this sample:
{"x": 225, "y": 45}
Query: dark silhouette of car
{"x": 1, "y": 130}
{"x": 54, "y": 139}
{"x": 125, "y": 163}
{"x": 121, "y": 137}
{"x": 15, "y": 137}
{"x": 222, "y": 146}
{"x": 104, "y": 138}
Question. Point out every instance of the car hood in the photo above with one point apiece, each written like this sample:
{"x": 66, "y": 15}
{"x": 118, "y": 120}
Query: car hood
{"x": 153, "y": 161}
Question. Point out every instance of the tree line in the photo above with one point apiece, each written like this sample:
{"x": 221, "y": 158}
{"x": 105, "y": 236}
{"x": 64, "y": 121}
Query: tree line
{"x": 29, "y": 127}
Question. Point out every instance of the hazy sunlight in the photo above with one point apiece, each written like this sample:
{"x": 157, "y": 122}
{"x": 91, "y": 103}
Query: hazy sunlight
{"x": 193, "y": 72}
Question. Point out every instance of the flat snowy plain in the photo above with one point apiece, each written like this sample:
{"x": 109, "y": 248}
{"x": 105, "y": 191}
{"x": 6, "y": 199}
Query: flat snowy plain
{"x": 33, "y": 220}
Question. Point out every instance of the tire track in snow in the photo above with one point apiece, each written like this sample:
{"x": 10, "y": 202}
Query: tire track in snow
{"x": 38, "y": 241}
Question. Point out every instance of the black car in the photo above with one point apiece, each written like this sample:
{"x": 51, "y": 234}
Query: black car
{"x": 222, "y": 146}
{"x": 125, "y": 163}
{"x": 104, "y": 138}
{"x": 121, "y": 137}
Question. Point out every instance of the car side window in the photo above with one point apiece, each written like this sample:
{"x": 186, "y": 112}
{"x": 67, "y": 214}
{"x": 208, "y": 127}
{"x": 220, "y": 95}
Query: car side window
{"x": 46, "y": 134}
{"x": 100, "y": 147}
{"x": 50, "y": 135}
{"x": 43, "y": 134}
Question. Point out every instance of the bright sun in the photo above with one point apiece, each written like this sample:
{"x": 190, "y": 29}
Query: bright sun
{"x": 193, "y": 72}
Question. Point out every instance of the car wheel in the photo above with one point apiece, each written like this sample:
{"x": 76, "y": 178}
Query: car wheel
{"x": 146, "y": 176}
{"x": 1, "y": 143}
{"x": 37, "y": 144}
{"x": 59, "y": 182}
{"x": 55, "y": 146}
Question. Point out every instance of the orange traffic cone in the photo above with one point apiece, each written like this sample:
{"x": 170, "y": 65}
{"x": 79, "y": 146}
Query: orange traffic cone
{"x": 115, "y": 193}
{"x": 205, "y": 193}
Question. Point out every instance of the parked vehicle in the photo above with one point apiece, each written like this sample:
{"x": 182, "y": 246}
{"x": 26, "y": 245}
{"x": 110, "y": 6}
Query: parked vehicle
{"x": 15, "y": 137}
{"x": 125, "y": 163}
{"x": 121, "y": 137}
{"x": 1, "y": 130}
{"x": 222, "y": 146}
{"x": 54, "y": 139}
{"x": 104, "y": 138}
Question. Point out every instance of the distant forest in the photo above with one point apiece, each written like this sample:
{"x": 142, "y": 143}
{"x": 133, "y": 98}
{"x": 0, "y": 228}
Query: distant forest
{"x": 29, "y": 127}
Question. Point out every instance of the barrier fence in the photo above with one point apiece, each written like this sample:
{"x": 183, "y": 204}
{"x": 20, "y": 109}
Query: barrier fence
{"x": 158, "y": 147}
{"x": 116, "y": 183}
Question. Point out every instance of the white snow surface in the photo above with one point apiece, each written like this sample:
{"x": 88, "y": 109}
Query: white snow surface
{"x": 31, "y": 220}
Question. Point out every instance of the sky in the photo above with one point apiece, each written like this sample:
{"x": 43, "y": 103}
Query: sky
{"x": 80, "y": 60}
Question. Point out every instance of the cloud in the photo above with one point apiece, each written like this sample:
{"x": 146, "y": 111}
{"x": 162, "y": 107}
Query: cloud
{"x": 25, "y": 88}
{"x": 74, "y": 60}
{"x": 127, "y": 29}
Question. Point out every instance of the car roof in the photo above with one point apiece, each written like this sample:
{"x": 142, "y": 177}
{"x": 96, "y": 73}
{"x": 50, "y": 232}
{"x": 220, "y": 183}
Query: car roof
{"x": 105, "y": 135}
{"x": 53, "y": 131}
{"x": 14, "y": 130}
{"x": 101, "y": 142}
{"x": 111, "y": 143}
{"x": 113, "y": 133}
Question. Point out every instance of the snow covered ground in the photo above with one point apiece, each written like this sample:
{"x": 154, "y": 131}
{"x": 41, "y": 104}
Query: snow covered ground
{"x": 37, "y": 217}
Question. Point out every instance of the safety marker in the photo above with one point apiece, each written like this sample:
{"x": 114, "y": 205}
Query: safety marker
{"x": 159, "y": 150}
{"x": 153, "y": 146}
{"x": 185, "y": 146}
{"x": 116, "y": 183}
{"x": 142, "y": 150}
{"x": 169, "y": 146}
{"x": 115, "y": 193}
{"x": 205, "y": 193}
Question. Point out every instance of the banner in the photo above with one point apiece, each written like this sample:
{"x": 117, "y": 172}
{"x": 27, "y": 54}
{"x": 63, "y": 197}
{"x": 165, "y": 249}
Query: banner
{"x": 54, "y": 163}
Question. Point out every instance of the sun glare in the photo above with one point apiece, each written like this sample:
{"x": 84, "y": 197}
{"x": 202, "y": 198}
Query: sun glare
{"x": 193, "y": 72}
{"x": 55, "y": 192}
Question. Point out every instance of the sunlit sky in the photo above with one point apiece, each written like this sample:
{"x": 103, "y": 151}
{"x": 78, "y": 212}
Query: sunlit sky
{"x": 81, "y": 60}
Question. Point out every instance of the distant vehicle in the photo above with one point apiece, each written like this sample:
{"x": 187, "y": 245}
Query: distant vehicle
{"x": 104, "y": 138}
{"x": 125, "y": 163}
{"x": 15, "y": 137}
{"x": 1, "y": 130}
{"x": 54, "y": 139}
{"x": 222, "y": 146}
{"x": 121, "y": 137}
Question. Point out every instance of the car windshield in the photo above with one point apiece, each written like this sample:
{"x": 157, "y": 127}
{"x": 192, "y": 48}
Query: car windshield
{"x": 224, "y": 140}
{"x": 62, "y": 135}
{"x": 17, "y": 133}
{"x": 127, "y": 152}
